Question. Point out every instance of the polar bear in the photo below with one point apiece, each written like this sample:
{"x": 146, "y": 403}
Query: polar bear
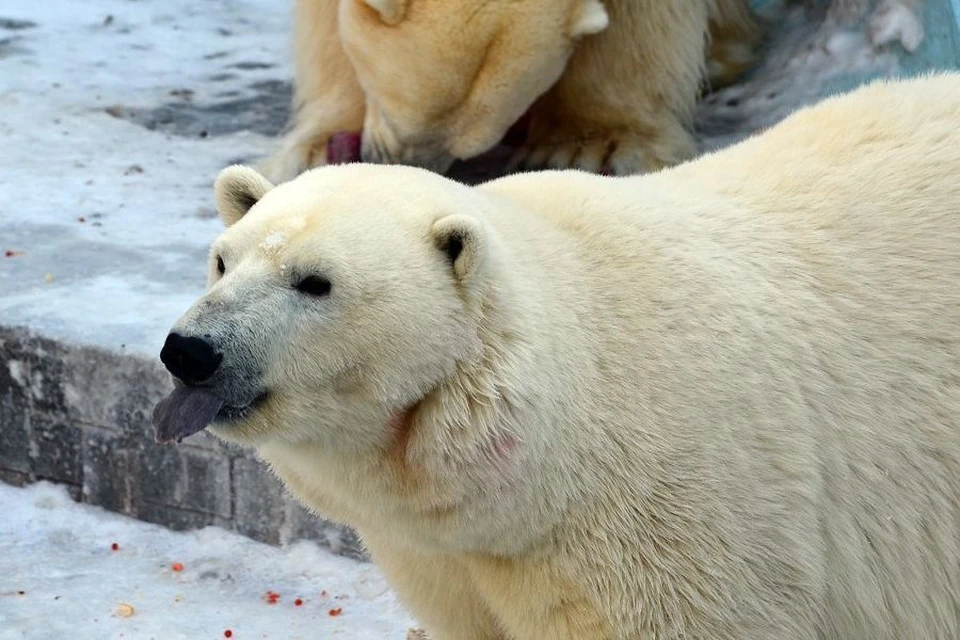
{"x": 611, "y": 84}
{"x": 717, "y": 401}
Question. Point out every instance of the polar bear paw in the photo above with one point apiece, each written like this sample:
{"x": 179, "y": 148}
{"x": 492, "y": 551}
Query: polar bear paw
{"x": 617, "y": 155}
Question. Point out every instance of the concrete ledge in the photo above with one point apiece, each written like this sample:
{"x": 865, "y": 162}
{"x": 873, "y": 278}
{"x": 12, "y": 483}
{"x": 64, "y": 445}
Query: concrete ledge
{"x": 79, "y": 416}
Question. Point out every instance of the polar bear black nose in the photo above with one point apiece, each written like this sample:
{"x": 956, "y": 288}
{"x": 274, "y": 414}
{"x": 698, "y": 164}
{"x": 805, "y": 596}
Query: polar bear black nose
{"x": 193, "y": 360}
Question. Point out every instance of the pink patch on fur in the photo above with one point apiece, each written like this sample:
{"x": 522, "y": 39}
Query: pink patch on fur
{"x": 343, "y": 147}
{"x": 502, "y": 450}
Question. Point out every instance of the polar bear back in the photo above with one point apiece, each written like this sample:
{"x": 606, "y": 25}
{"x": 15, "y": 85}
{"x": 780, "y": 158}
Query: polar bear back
{"x": 773, "y": 332}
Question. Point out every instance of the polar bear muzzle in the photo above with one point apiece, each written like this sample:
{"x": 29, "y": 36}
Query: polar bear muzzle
{"x": 189, "y": 408}
{"x": 195, "y": 402}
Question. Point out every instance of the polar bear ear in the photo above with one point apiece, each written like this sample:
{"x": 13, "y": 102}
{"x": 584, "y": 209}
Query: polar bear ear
{"x": 590, "y": 17}
{"x": 391, "y": 11}
{"x": 464, "y": 244}
{"x": 237, "y": 189}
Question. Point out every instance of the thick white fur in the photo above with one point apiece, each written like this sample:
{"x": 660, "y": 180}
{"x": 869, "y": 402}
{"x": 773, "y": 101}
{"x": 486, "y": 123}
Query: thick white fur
{"x": 610, "y": 84}
{"x": 720, "y": 401}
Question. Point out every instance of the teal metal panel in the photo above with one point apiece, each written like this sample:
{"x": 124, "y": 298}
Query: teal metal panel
{"x": 940, "y": 48}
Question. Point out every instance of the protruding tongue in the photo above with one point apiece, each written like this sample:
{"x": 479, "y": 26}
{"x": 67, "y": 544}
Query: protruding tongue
{"x": 343, "y": 147}
{"x": 184, "y": 412}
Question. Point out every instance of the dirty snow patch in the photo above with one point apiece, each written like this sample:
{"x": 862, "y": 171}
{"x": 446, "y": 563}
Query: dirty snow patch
{"x": 61, "y": 578}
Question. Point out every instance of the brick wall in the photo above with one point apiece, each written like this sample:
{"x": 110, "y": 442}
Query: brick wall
{"x": 81, "y": 417}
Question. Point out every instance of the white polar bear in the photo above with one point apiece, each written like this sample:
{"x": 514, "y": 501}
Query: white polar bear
{"x": 719, "y": 401}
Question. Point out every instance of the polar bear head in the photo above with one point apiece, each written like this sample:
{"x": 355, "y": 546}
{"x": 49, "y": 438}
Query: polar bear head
{"x": 334, "y": 302}
{"x": 445, "y": 79}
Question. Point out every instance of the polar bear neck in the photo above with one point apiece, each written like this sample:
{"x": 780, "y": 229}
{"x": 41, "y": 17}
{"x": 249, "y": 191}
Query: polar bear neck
{"x": 479, "y": 432}
{"x": 467, "y": 418}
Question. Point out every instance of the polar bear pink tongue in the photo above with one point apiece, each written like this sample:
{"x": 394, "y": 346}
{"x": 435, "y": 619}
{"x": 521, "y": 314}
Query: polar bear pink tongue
{"x": 184, "y": 412}
{"x": 343, "y": 147}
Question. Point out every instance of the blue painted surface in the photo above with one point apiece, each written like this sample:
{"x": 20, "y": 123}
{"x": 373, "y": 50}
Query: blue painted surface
{"x": 940, "y": 48}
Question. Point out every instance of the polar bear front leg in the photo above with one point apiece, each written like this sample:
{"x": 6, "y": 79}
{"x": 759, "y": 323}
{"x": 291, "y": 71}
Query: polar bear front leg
{"x": 625, "y": 103}
{"x": 327, "y": 96}
{"x": 538, "y": 597}
{"x": 437, "y": 590}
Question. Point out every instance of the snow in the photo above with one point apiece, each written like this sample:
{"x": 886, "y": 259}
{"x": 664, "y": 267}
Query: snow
{"x": 59, "y": 578}
{"x": 274, "y": 242}
{"x": 113, "y": 218}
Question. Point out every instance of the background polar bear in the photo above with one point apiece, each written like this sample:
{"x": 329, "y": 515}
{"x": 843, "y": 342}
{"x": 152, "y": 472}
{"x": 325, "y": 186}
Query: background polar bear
{"x": 612, "y": 83}
{"x": 719, "y": 401}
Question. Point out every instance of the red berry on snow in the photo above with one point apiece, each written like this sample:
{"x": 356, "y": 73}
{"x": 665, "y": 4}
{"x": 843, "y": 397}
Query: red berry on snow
{"x": 114, "y": 547}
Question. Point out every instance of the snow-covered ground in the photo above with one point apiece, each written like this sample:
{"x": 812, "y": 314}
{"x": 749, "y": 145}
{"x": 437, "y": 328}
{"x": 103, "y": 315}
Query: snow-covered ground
{"x": 60, "y": 578}
{"x": 115, "y": 117}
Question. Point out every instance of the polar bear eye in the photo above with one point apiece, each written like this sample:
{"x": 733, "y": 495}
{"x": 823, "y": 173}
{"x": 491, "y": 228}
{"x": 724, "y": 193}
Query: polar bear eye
{"x": 314, "y": 286}
{"x": 221, "y": 268}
